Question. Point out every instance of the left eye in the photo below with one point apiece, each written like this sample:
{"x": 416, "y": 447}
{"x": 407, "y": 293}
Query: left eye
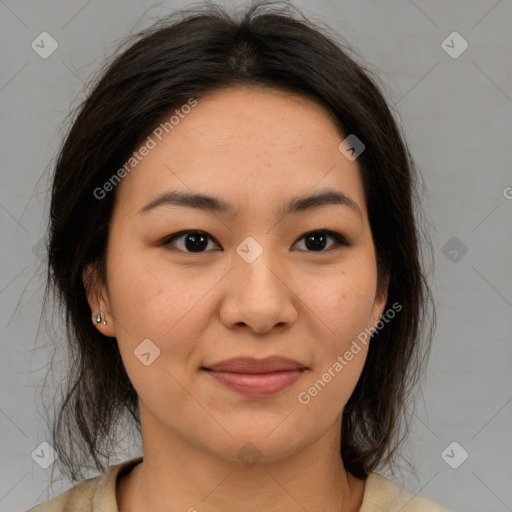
{"x": 197, "y": 241}
{"x": 316, "y": 240}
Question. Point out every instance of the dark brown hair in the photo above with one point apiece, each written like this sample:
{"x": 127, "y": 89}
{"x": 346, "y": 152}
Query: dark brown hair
{"x": 190, "y": 54}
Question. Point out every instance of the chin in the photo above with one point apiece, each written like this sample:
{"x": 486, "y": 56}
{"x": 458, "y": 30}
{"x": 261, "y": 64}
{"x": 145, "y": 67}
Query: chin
{"x": 253, "y": 444}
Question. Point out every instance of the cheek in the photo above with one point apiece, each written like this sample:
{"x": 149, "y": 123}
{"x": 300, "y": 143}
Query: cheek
{"x": 342, "y": 300}
{"x": 149, "y": 303}
{"x": 324, "y": 395}
{"x": 151, "y": 299}
{"x": 148, "y": 296}
{"x": 344, "y": 305}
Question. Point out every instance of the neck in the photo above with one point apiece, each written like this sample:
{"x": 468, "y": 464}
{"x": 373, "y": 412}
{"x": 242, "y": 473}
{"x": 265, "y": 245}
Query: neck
{"x": 176, "y": 476}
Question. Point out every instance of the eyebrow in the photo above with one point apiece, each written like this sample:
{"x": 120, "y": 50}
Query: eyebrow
{"x": 216, "y": 205}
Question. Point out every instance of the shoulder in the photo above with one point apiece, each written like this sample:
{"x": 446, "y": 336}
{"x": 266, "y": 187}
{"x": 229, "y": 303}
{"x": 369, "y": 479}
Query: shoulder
{"x": 382, "y": 495}
{"x": 93, "y": 494}
{"x": 80, "y": 497}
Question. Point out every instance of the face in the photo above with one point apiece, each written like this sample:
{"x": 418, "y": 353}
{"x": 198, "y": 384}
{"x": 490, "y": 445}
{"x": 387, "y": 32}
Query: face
{"x": 258, "y": 280}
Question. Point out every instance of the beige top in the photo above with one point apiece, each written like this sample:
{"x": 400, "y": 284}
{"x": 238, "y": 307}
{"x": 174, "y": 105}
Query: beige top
{"x": 99, "y": 494}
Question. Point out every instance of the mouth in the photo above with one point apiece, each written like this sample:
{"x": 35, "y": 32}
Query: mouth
{"x": 256, "y": 378}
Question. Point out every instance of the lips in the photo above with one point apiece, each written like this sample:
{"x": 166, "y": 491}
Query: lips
{"x": 251, "y": 365}
{"x": 257, "y": 378}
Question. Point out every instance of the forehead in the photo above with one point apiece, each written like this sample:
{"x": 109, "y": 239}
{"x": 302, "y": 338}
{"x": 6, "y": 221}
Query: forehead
{"x": 251, "y": 147}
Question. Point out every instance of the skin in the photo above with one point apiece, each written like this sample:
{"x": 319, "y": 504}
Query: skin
{"x": 254, "y": 148}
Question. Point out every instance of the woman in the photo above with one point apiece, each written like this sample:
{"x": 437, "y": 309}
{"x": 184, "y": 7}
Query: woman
{"x": 233, "y": 237}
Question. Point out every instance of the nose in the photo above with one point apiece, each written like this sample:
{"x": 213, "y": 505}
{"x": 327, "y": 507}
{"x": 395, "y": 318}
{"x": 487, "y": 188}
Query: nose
{"x": 259, "y": 296}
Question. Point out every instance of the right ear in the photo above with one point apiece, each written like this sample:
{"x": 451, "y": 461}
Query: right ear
{"x": 98, "y": 300}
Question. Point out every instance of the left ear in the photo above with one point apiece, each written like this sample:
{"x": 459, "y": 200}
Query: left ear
{"x": 379, "y": 303}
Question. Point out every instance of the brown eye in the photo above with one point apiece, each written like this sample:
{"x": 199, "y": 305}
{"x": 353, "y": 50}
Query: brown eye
{"x": 316, "y": 241}
{"x": 190, "y": 241}
{"x": 197, "y": 241}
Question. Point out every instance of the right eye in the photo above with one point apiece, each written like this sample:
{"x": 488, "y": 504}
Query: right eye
{"x": 193, "y": 241}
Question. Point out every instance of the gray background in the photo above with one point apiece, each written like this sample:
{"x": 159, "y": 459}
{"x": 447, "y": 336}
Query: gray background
{"x": 456, "y": 113}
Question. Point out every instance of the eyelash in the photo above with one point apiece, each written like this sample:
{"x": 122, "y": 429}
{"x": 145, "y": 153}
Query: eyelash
{"x": 340, "y": 241}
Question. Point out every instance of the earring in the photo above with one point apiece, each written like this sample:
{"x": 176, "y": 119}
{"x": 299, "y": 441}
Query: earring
{"x": 98, "y": 320}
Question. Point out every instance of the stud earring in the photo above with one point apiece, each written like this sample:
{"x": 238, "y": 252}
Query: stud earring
{"x": 98, "y": 320}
